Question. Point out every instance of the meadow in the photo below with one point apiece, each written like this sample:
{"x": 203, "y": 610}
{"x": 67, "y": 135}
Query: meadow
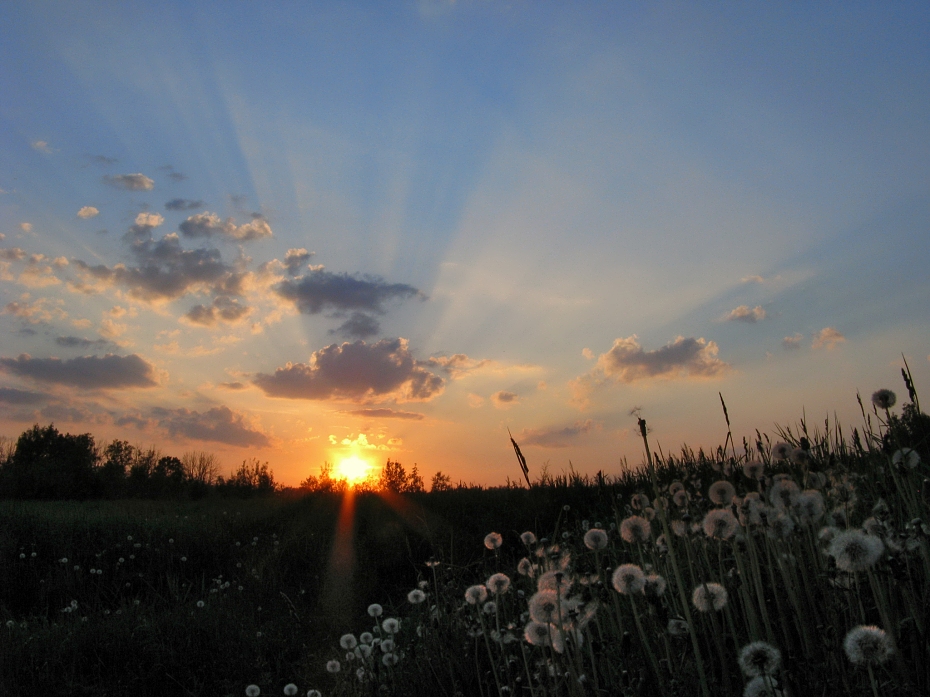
{"x": 794, "y": 564}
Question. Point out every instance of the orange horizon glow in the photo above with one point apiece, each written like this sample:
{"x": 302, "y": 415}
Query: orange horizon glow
{"x": 353, "y": 469}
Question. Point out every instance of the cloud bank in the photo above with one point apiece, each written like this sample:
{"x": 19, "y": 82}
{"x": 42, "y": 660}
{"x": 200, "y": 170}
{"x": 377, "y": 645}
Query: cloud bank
{"x": 218, "y": 425}
{"x": 88, "y": 372}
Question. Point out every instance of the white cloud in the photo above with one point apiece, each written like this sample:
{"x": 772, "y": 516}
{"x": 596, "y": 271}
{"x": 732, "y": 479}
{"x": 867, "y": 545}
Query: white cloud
{"x": 828, "y": 338}
{"x": 88, "y": 212}
{"x": 743, "y": 313}
{"x": 42, "y": 146}
{"x": 25, "y": 227}
{"x": 130, "y": 182}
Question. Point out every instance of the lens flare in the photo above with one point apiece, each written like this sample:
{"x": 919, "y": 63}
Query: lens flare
{"x": 353, "y": 469}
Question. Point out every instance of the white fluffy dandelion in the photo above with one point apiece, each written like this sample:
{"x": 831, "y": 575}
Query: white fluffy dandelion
{"x": 499, "y": 584}
{"x": 628, "y": 579}
{"x": 709, "y": 596}
{"x": 525, "y": 567}
{"x": 759, "y": 658}
{"x": 544, "y": 606}
{"x": 906, "y": 457}
{"x": 595, "y": 539}
{"x": 655, "y": 586}
{"x": 416, "y": 596}
{"x": 493, "y": 540}
{"x": 763, "y": 686}
{"x": 290, "y": 689}
{"x": 635, "y": 529}
{"x": 781, "y": 451}
{"x": 375, "y": 610}
{"x": 333, "y": 666}
{"x": 253, "y": 691}
{"x": 391, "y": 625}
{"x": 528, "y": 538}
{"x": 867, "y": 644}
{"x": 721, "y": 492}
{"x": 754, "y": 469}
{"x": 390, "y": 659}
{"x": 720, "y": 524}
{"x": 853, "y": 550}
{"x": 476, "y": 594}
{"x": 348, "y": 641}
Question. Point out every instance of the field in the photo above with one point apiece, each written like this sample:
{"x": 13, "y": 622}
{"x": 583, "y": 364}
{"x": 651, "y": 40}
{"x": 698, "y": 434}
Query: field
{"x": 798, "y": 564}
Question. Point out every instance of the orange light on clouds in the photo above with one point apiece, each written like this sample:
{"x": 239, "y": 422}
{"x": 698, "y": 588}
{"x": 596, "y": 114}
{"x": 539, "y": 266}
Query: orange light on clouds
{"x": 353, "y": 469}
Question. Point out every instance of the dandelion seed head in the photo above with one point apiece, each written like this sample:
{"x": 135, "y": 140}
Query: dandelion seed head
{"x": 635, "y": 530}
{"x": 906, "y": 457}
{"x": 555, "y": 580}
{"x": 884, "y": 399}
{"x": 537, "y": 633}
{"x": 544, "y": 606}
{"x": 366, "y": 637}
{"x": 390, "y": 659}
{"x": 720, "y": 524}
{"x": 253, "y": 691}
{"x": 628, "y": 579}
{"x": 375, "y": 610}
{"x": 595, "y": 539}
{"x": 476, "y": 594}
{"x": 759, "y": 658}
{"x": 316, "y": 693}
{"x": 854, "y": 550}
{"x": 200, "y": 603}
{"x": 800, "y": 456}
{"x": 499, "y": 584}
{"x": 867, "y": 644}
{"x": 333, "y": 666}
{"x": 783, "y": 494}
{"x": 528, "y": 538}
{"x": 781, "y": 451}
{"x": 680, "y": 498}
{"x": 489, "y": 608}
{"x": 709, "y": 596}
{"x": 721, "y": 492}
{"x": 290, "y": 689}
{"x": 525, "y": 567}
{"x": 391, "y": 625}
{"x": 763, "y": 686}
{"x": 348, "y": 641}
{"x": 754, "y": 469}
{"x": 677, "y": 627}
{"x": 781, "y": 525}
{"x": 675, "y": 487}
{"x": 655, "y": 586}
{"x": 416, "y": 596}
{"x": 639, "y": 501}
{"x": 493, "y": 540}
{"x": 808, "y": 506}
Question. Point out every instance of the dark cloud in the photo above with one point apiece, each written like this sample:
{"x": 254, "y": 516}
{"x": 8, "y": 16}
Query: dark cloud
{"x": 89, "y": 372}
{"x": 357, "y": 372}
{"x": 386, "y": 414}
{"x": 458, "y": 365}
{"x": 183, "y": 204}
{"x": 358, "y": 326}
{"x": 218, "y": 425}
{"x": 294, "y": 259}
{"x": 556, "y": 436}
{"x": 792, "y": 343}
{"x": 238, "y": 199}
{"x": 626, "y": 360}
{"x": 130, "y": 182}
{"x": 504, "y": 399}
{"x": 321, "y": 290}
{"x": 79, "y": 342}
{"x": 166, "y": 271}
{"x": 104, "y": 160}
{"x": 10, "y": 395}
{"x": 73, "y": 414}
{"x": 223, "y": 309}
{"x": 231, "y": 385}
{"x": 12, "y": 254}
{"x": 211, "y": 225}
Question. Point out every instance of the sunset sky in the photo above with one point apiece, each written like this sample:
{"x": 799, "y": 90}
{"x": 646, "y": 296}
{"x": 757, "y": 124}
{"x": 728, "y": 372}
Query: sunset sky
{"x": 301, "y": 231}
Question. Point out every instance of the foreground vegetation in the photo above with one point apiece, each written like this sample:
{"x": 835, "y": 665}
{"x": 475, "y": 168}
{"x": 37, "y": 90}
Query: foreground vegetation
{"x": 797, "y": 564}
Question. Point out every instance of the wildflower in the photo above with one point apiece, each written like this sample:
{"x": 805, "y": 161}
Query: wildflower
{"x": 476, "y": 594}
{"x": 525, "y": 567}
{"x": 635, "y": 529}
{"x": 416, "y": 596}
{"x": 677, "y": 627}
{"x": 375, "y": 610}
{"x": 800, "y": 456}
{"x": 554, "y": 580}
{"x": 867, "y": 644}
{"x": 675, "y": 487}
{"x": 754, "y": 469}
{"x": 884, "y": 399}
{"x": 709, "y": 596}
{"x": 783, "y": 493}
{"x": 493, "y": 540}
{"x": 595, "y": 539}
{"x": 333, "y": 666}
{"x": 544, "y": 606}
{"x": 680, "y": 498}
{"x": 387, "y": 646}
{"x": 253, "y": 691}
{"x": 390, "y": 659}
{"x": 781, "y": 451}
{"x": 499, "y": 584}
{"x": 348, "y": 641}
{"x": 759, "y": 658}
{"x": 808, "y": 506}
{"x": 906, "y": 457}
{"x": 365, "y": 637}
{"x": 751, "y": 509}
{"x": 721, "y": 492}
{"x": 763, "y": 686}
{"x": 640, "y": 501}
{"x": 528, "y": 538}
{"x": 679, "y": 528}
{"x": 720, "y": 524}
{"x": 290, "y": 689}
{"x": 628, "y": 579}
{"x": 537, "y": 633}
{"x": 489, "y": 608}
{"x": 391, "y": 625}
{"x": 781, "y": 526}
{"x": 853, "y": 550}
{"x": 655, "y": 586}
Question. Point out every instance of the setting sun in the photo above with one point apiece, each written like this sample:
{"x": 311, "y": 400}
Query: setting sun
{"x": 353, "y": 469}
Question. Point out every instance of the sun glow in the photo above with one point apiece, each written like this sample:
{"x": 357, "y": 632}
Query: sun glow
{"x": 353, "y": 469}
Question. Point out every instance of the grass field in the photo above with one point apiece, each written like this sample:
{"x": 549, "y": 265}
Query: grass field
{"x": 794, "y": 565}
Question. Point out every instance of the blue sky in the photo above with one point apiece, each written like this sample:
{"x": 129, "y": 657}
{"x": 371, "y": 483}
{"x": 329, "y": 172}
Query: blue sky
{"x": 513, "y": 215}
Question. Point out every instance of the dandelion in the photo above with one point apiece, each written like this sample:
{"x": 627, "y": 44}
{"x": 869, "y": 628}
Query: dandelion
{"x": 751, "y": 509}
{"x": 489, "y": 608}
{"x": 290, "y": 689}
{"x": 884, "y": 399}
{"x": 655, "y": 586}
{"x": 493, "y": 540}
{"x": 720, "y": 524}
{"x": 499, "y": 584}
{"x": 640, "y": 501}
{"x": 525, "y": 567}
{"x": 595, "y": 539}
{"x": 416, "y": 596}
{"x": 808, "y": 506}
{"x": 348, "y": 641}
{"x": 867, "y": 644}
{"x": 528, "y": 538}
{"x": 721, "y": 492}
{"x": 476, "y": 594}
{"x": 316, "y": 693}
{"x": 906, "y": 457}
{"x": 675, "y": 487}
{"x": 709, "y": 596}
{"x": 253, "y": 691}
{"x": 763, "y": 686}
{"x": 366, "y": 637}
{"x": 781, "y": 526}
{"x": 681, "y": 498}
{"x": 754, "y": 469}
{"x": 333, "y": 666}
{"x": 387, "y": 646}
{"x": 391, "y": 625}
{"x": 200, "y": 603}
{"x": 781, "y": 451}
{"x": 759, "y": 658}
{"x": 544, "y": 606}
{"x": 783, "y": 494}
{"x": 628, "y": 579}
{"x": 853, "y": 550}
{"x": 635, "y": 529}
{"x": 390, "y": 659}
{"x": 800, "y": 456}
{"x": 375, "y": 610}
{"x": 363, "y": 650}
{"x": 677, "y": 627}
{"x": 554, "y": 580}
{"x": 541, "y": 634}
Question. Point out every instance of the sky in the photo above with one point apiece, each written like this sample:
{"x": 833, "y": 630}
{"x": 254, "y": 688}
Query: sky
{"x": 301, "y": 231}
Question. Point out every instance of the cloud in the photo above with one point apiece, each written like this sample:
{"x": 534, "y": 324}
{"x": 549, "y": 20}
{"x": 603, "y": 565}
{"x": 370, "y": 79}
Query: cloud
{"x": 183, "y": 204}
{"x": 321, "y": 290}
{"x": 78, "y": 342}
{"x": 358, "y": 326}
{"x": 25, "y": 227}
{"x": 210, "y": 225}
{"x": 223, "y": 309}
{"x": 752, "y": 279}
{"x": 475, "y": 400}
{"x": 35, "y": 312}
{"x": 504, "y": 400}
{"x": 743, "y": 313}
{"x": 130, "y": 182}
{"x": 556, "y": 436}
{"x": 9, "y": 395}
{"x": 790, "y": 343}
{"x": 42, "y": 146}
{"x": 828, "y": 338}
{"x": 358, "y": 372}
{"x": 12, "y": 254}
{"x": 142, "y": 228}
{"x": 104, "y": 160}
{"x": 89, "y": 372}
{"x": 218, "y": 425}
{"x": 386, "y": 414}
{"x": 88, "y": 212}
{"x": 231, "y": 386}
{"x": 458, "y": 365}
{"x": 172, "y": 174}
{"x": 295, "y": 258}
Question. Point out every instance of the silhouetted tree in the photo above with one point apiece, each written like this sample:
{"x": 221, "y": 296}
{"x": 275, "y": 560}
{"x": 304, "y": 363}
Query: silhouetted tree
{"x": 49, "y": 465}
{"x": 440, "y": 482}
{"x": 252, "y": 477}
